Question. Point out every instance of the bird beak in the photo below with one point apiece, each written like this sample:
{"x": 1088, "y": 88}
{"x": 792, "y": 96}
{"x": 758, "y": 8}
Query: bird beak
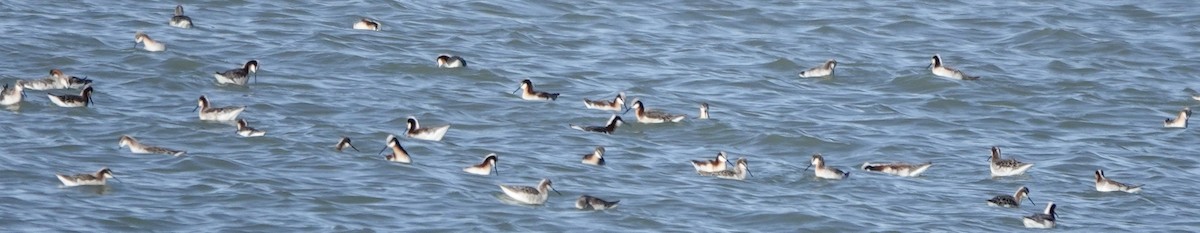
{"x": 352, "y": 147}
{"x": 1030, "y": 200}
{"x": 197, "y": 107}
{"x": 805, "y": 168}
{"x": 497, "y": 168}
{"x": 748, "y": 172}
{"x": 381, "y": 150}
{"x": 118, "y": 180}
{"x": 626, "y": 111}
{"x": 515, "y": 91}
{"x": 555, "y": 190}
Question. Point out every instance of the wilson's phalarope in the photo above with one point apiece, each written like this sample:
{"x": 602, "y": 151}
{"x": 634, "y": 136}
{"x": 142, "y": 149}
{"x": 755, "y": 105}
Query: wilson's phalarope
{"x": 825, "y": 172}
{"x": 72, "y": 101}
{"x": 435, "y": 133}
{"x": 652, "y": 116}
{"x": 595, "y": 158}
{"x": 1042, "y": 220}
{"x": 740, "y": 169}
{"x": 586, "y": 202}
{"x": 715, "y": 165}
{"x": 826, "y": 69}
{"x": 138, "y": 148}
{"x": 941, "y": 70}
{"x": 617, "y": 104}
{"x": 245, "y": 130}
{"x": 1006, "y": 167}
{"x": 56, "y": 80}
{"x": 149, "y": 44}
{"x": 527, "y": 92}
{"x": 1103, "y": 184}
{"x": 180, "y": 20}
{"x": 1180, "y": 120}
{"x": 530, "y": 195}
{"x": 1011, "y": 201}
{"x": 238, "y": 76}
{"x": 398, "y": 154}
{"x": 450, "y": 61}
{"x": 703, "y": 110}
{"x": 485, "y": 168}
{"x": 608, "y": 128}
{"x": 97, "y": 178}
{"x": 14, "y": 94}
{"x": 898, "y": 169}
{"x": 366, "y": 24}
{"x": 209, "y": 113}
{"x": 342, "y": 144}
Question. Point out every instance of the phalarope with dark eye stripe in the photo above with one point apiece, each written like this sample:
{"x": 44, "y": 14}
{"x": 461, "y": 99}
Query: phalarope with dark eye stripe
{"x": 398, "y": 154}
{"x": 586, "y": 202}
{"x": 527, "y": 92}
{"x": 898, "y": 169}
{"x": 825, "y": 172}
{"x": 56, "y": 80}
{"x": 343, "y": 143}
{"x": 740, "y": 169}
{"x": 595, "y": 158}
{"x": 941, "y": 70}
{"x": 450, "y": 61}
{"x": 1042, "y": 220}
{"x": 148, "y": 44}
{"x": 1180, "y": 120}
{"x": 97, "y": 178}
{"x": 646, "y": 116}
{"x": 486, "y": 167}
{"x": 245, "y": 130}
{"x": 826, "y": 69}
{"x": 715, "y": 165}
{"x": 530, "y": 195}
{"x": 238, "y": 76}
{"x": 703, "y": 111}
{"x": 14, "y": 94}
{"x": 1103, "y": 184}
{"x": 366, "y": 24}
{"x": 617, "y": 104}
{"x": 180, "y": 20}
{"x": 209, "y": 113}
{"x": 435, "y": 133}
{"x": 73, "y": 101}
{"x": 1011, "y": 201}
{"x": 608, "y": 128}
{"x": 1006, "y": 167}
{"x": 139, "y": 148}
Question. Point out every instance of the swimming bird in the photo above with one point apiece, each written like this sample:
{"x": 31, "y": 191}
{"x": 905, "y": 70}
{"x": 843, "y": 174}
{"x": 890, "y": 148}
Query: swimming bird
{"x": 529, "y": 94}
{"x": 826, "y": 69}
{"x": 366, "y": 24}
{"x": 73, "y": 101}
{"x": 609, "y": 127}
{"x": 740, "y": 169}
{"x": 825, "y": 172}
{"x": 1006, "y": 167}
{"x": 595, "y": 158}
{"x": 703, "y": 110}
{"x": 617, "y": 104}
{"x": 245, "y": 130}
{"x": 715, "y": 165}
{"x": 435, "y": 133}
{"x": 485, "y": 168}
{"x": 56, "y": 80}
{"x": 898, "y": 169}
{"x": 1180, "y": 120}
{"x": 97, "y": 178}
{"x": 398, "y": 154}
{"x": 450, "y": 61}
{"x": 1042, "y": 220}
{"x": 14, "y": 94}
{"x": 180, "y": 20}
{"x": 138, "y": 148}
{"x": 586, "y": 202}
{"x": 941, "y": 70}
{"x": 652, "y": 116}
{"x": 343, "y": 143}
{"x": 209, "y": 113}
{"x": 1103, "y": 184}
{"x": 148, "y": 44}
{"x": 530, "y": 195}
{"x": 238, "y": 76}
{"x": 1011, "y": 201}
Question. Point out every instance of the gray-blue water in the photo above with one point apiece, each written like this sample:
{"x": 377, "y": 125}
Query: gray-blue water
{"x": 1069, "y": 86}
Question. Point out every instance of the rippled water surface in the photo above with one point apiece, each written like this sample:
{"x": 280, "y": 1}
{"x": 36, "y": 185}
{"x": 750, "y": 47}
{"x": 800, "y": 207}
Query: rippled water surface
{"x": 1069, "y": 86}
